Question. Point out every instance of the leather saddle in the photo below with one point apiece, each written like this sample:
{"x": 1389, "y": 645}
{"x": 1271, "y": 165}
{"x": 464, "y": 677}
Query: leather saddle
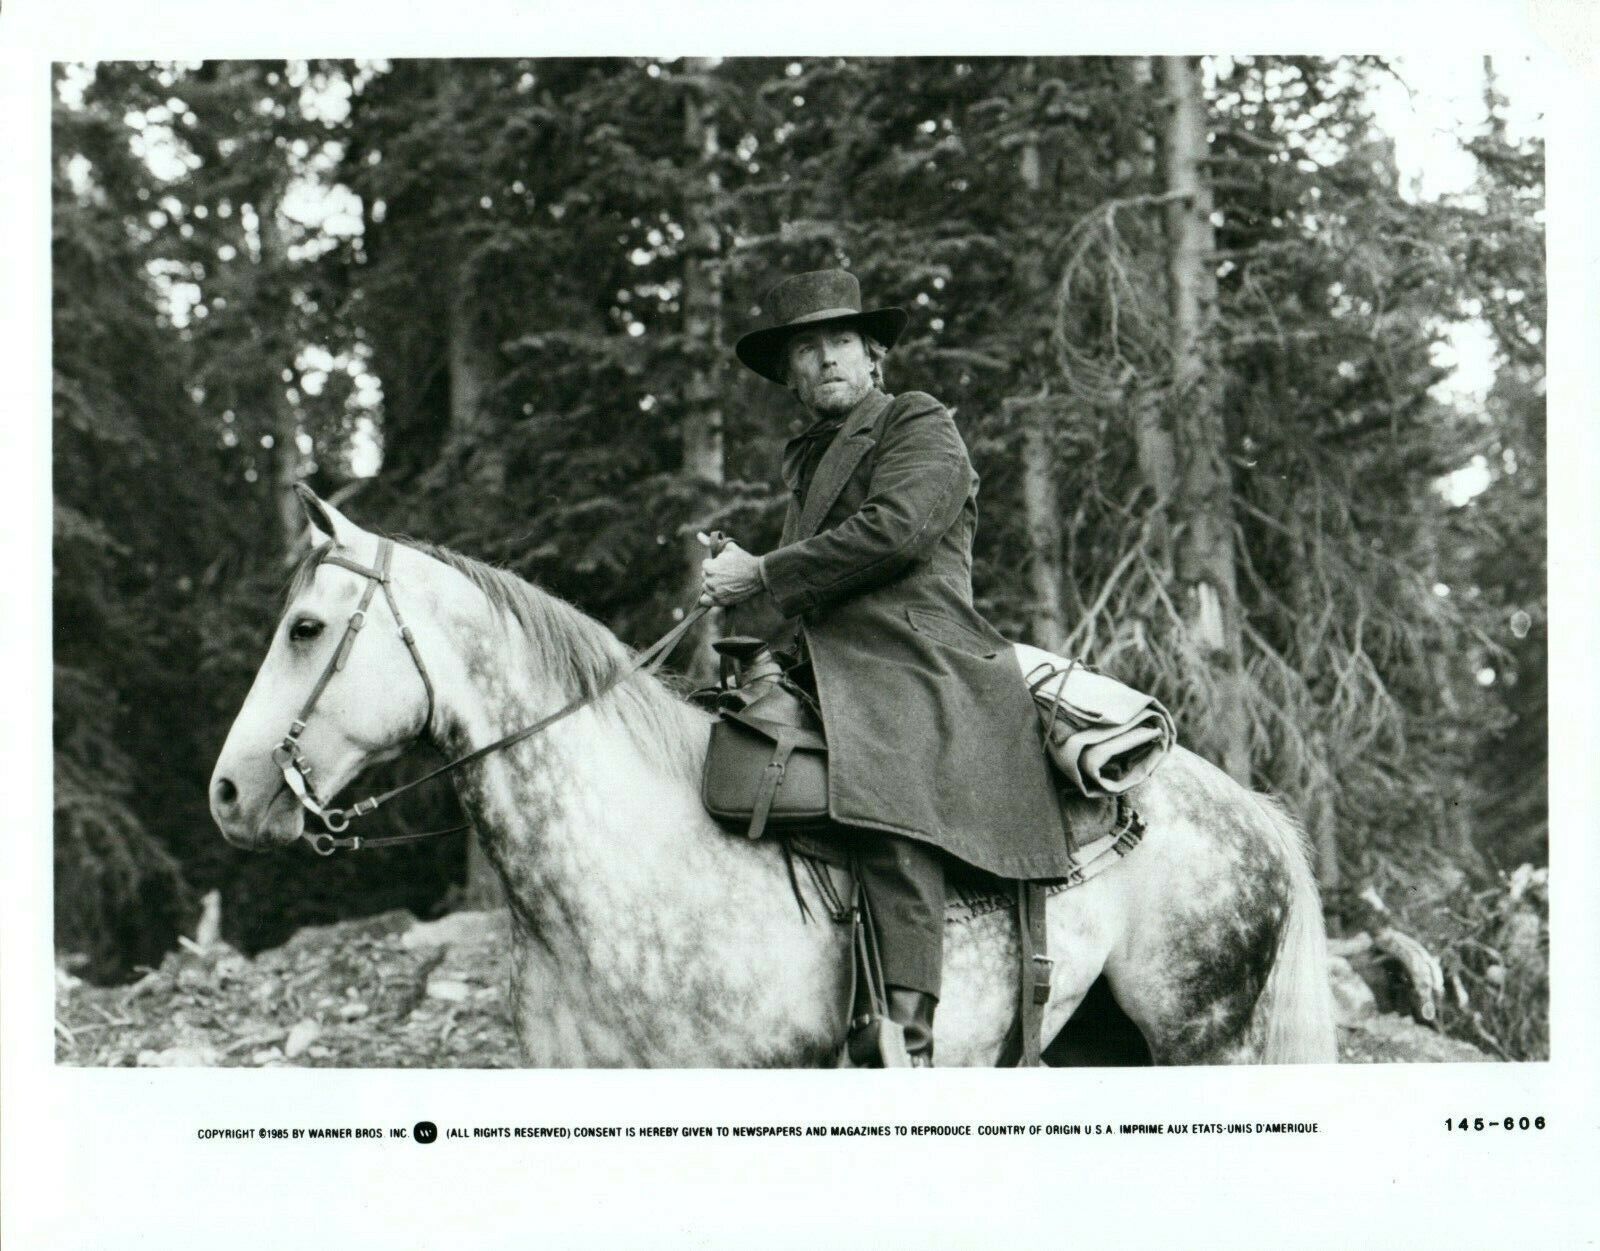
{"x": 767, "y": 768}
{"x": 767, "y": 762}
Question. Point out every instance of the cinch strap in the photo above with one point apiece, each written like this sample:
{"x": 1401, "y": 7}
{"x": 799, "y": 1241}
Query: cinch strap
{"x": 1022, "y": 1045}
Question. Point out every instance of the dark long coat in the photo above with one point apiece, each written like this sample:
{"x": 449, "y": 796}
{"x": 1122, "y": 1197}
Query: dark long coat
{"x": 931, "y": 730}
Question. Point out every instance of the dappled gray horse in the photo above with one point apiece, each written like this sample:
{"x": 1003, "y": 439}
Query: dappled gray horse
{"x": 644, "y": 934}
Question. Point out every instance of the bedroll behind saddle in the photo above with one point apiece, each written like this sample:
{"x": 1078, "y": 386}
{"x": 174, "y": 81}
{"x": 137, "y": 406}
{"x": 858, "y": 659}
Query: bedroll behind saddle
{"x": 1102, "y": 735}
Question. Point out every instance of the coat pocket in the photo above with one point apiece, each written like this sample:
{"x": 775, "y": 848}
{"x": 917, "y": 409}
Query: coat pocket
{"x": 951, "y": 633}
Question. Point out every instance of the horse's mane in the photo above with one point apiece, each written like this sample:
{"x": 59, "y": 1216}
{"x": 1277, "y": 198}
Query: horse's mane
{"x": 581, "y": 654}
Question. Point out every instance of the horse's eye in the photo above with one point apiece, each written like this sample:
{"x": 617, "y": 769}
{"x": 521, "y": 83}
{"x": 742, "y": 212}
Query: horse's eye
{"x": 305, "y": 629}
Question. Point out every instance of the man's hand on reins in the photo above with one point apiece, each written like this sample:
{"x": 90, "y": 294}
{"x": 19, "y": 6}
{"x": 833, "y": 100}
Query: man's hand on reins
{"x": 731, "y": 576}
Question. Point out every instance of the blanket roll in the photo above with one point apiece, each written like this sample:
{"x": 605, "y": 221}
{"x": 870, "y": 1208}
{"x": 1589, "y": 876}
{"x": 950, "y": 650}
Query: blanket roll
{"x": 1103, "y": 735}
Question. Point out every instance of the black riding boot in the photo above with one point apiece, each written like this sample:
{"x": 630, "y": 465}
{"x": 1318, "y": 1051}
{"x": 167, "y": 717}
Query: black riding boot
{"x": 903, "y": 895}
{"x": 909, "y": 1010}
{"x": 913, "y": 1009}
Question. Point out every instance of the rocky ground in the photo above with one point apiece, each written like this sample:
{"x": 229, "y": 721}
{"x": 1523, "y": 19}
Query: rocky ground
{"x": 392, "y": 992}
{"x": 383, "y": 992}
{"x": 1393, "y": 1039}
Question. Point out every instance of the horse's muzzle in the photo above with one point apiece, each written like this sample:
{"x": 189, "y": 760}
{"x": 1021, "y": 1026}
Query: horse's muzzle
{"x": 280, "y": 822}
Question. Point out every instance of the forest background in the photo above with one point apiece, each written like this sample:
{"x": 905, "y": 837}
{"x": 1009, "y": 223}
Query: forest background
{"x": 1193, "y": 321}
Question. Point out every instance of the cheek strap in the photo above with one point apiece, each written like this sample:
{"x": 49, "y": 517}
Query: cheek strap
{"x": 291, "y": 761}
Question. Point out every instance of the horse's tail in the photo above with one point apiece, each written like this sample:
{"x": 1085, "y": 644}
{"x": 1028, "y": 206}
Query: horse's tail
{"x": 1296, "y": 1005}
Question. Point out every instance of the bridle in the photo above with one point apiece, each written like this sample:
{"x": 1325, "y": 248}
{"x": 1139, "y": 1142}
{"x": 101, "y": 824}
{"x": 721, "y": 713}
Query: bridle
{"x": 297, "y": 770}
{"x": 287, "y": 755}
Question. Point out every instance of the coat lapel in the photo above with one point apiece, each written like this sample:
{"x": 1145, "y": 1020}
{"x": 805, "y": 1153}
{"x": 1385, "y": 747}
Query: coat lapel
{"x": 853, "y": 441}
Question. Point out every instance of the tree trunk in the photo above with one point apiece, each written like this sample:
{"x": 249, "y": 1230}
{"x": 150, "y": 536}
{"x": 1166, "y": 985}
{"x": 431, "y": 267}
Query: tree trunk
{"x": 1202, "y": 514}
{"x": 468, "y": 372}
{"x": 1042, "y": 510}
{"x": 471, "y": 368}
{"x": 1494, "y": 104}
{"x": 1155, "y": 448}
{"x": 702, "y": 466}
{"x": 1037, "y": 412}
{"x": 284, "y": 420}
{"x": 470, "y": 356}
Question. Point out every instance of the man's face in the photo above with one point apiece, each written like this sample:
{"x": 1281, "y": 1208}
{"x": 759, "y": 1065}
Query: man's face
{"x": 829, "y": 369}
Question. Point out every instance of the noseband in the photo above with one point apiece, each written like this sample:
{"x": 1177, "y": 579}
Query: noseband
{"x": 296, "y": 769}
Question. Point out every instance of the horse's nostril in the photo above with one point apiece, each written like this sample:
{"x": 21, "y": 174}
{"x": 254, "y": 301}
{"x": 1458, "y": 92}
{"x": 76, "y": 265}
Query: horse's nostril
{"x": 227, "y": 792}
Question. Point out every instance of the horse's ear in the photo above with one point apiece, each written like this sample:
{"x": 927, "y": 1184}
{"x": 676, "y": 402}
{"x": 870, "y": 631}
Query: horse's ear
{"x": 328, "y": 524}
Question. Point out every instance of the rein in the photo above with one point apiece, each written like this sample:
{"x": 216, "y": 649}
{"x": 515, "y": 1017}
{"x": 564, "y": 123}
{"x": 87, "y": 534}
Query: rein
{"x": 297, "y": 770}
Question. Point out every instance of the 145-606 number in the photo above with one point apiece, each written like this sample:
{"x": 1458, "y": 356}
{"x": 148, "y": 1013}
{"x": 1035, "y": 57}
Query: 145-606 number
{"x": 1509, "y": 1122}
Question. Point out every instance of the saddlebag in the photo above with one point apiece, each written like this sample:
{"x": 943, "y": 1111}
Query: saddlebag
{"x": 767, "y": 765}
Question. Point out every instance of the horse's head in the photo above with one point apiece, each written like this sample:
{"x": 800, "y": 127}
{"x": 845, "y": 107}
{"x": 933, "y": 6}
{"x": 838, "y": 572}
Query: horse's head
{"x": 367, "y": 697}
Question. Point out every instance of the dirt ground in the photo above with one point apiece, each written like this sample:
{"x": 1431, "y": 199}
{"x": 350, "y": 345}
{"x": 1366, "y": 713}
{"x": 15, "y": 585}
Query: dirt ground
{"x": 383, "y": 992}
{"x": 392, "y": 992}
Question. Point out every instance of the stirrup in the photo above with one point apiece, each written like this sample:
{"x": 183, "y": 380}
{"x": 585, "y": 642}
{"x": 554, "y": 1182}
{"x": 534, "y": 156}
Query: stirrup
{"x": 877, "y": 1043}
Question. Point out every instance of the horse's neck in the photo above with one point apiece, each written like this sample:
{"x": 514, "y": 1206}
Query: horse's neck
{"x": 590, "y": 815}
{"x": 622, "y": 888}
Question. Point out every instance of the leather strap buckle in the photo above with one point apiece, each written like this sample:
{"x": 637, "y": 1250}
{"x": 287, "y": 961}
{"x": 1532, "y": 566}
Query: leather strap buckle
{"x": 1043, "y": 967}
{"x": 771, "y": 779}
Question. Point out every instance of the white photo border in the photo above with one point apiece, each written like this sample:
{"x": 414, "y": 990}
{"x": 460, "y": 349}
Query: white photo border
{"x": 108, "y": 1158}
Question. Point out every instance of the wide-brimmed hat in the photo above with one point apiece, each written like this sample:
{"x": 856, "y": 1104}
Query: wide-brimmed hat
{"x": 822, "y": 297}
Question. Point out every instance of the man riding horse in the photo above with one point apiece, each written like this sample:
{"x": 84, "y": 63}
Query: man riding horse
{"x": 935, "y": 752}
{"x": 934, "y": 745}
